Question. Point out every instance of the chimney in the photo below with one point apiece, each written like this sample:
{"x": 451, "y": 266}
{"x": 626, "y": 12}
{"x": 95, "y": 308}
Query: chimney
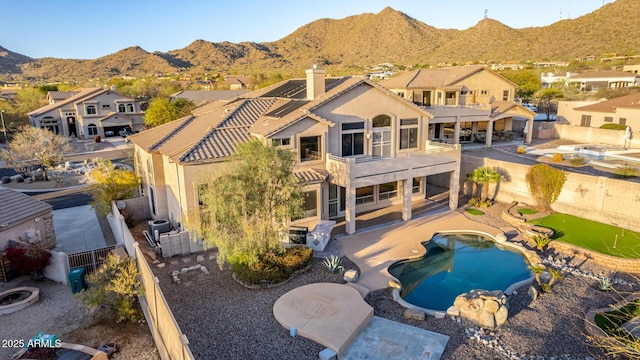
{"x": 315, "y": 82}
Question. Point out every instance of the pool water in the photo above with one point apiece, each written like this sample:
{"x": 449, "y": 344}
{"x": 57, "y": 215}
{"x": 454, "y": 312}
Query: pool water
{"x": 455, "y": 264}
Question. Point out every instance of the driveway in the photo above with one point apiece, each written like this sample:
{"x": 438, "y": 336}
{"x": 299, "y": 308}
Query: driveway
{"x": 77, "y": 229}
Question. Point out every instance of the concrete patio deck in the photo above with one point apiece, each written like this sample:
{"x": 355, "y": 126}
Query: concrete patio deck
{"x": 374, "y": 250}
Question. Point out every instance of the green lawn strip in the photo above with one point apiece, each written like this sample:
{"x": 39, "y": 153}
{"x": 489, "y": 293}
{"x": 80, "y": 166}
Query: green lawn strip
{"x": 611, "y": 321}
{"x": 474, "y": 212}
{"x": 592, "y": 235}
{"x": 527, "y": 211}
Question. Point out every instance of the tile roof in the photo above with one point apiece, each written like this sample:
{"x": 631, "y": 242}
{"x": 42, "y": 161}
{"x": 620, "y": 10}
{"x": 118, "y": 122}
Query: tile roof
{"x": 434, "y": 78}
{"x": 82, "y": 95}
{"x": 17, "y": 208}
{"x": 61, "y": 95}
{"x": 631, "y": 101}
{"x": 603, "y": 74}
{"x": 311, "y": 176}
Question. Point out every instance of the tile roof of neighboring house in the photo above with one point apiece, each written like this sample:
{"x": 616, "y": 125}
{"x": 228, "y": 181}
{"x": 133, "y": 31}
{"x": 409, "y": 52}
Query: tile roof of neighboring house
{"x": 17, "y": 208}
{"x": 433, "y": 78}
{"x": 61, "y": 95}
{"x": 82, "y": 95}
{"x": 631, "y": 101}
{"x": 603, "y": 74}
{"x": 201, "y": 97}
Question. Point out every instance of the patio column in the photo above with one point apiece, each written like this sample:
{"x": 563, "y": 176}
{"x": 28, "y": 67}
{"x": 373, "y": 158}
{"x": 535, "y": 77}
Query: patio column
{"x": 407, "y": 185}
{"x": 454, "y": 188}
{"x": 456, "y": 131}
{"x": 489, "y": 136}
{"x": 529, "y": 134}
{"x": 350, "y": 211}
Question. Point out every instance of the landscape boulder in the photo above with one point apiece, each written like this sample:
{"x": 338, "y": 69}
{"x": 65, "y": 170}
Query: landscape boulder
{"x": 487, "y": 309}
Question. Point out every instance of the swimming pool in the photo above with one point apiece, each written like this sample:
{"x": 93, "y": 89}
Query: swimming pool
{"x": 455, "y": 264}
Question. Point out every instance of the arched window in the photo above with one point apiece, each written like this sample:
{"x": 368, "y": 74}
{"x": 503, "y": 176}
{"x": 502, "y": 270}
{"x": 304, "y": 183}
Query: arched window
{"x": 92, "y": 129}
{"x": 381, "y": 143}
{"x": 121, "y": 108}
{"x": 129, "y": 107}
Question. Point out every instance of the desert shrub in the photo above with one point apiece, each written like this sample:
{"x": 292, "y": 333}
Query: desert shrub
{"x": 545, "y": 184}
{"x": 577, "y": 161}
{"x": 116, "y": 284}
{"x": 626, "y": 172}
{"x": 521, "y": 150}
{"x": 474, "y": 212}
{"x": 541, "y": 241}
{"x": 28, "y": 259}
{"x": 557, "y": 157}
{"x": 613, "y": 126}
{"x": 273, "y": 267}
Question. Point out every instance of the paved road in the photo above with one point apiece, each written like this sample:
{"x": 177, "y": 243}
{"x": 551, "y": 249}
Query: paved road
{"x": 63, "y": 199}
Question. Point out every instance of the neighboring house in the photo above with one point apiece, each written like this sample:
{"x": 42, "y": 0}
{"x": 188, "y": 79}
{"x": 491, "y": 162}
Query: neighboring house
{"x": 623, "y": 110}
{"x": 631, "y": 68}
{"x": 23, "y": 218}
{"x": 468, "y": 102}
{"x": 236, "y": 82}
{"x": 359, "y": 147}
{"x": 549, "y": 80}
{"x": 89, "y": 112}
{"x": 202, "y": 97}
{"x": 595, "y": 80}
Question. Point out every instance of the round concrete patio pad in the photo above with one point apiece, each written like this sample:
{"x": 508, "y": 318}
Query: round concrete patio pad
{"x": 328, "y": 313}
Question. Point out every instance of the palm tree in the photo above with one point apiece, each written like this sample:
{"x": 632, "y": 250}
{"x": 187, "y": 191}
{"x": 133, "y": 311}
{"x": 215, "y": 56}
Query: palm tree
{"x": 487, "y": 176}
{"x": 474, "y": 179}
{"x": 537, "y": 270}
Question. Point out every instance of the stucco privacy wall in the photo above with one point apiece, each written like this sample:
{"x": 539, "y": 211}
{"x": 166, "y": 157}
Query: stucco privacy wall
{"x": 596, "y": 198}
{"x": 591, "y": 135}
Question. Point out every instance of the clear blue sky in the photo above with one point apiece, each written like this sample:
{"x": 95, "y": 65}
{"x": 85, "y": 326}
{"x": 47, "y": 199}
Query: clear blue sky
{"x": 88, "y": 29}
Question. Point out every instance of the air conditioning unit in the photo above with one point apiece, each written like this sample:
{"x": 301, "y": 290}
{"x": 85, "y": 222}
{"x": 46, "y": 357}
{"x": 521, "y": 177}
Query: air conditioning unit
{"x": 162, "y": 225}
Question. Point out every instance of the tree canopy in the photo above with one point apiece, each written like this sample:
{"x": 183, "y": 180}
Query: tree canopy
{"x": 108, "y": 183}
{"x": 545, "y": 184}
{"x": 546, "y": 96}
{"x": 162, "y": 111}
{"x": 35, "y": 147}
{"x": 247, "y": 206}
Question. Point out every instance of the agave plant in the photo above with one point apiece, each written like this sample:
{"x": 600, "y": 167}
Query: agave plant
{"x": 333, "y": 264}
{"x": 605, "y": 284}
{"x": 555, "y": 275}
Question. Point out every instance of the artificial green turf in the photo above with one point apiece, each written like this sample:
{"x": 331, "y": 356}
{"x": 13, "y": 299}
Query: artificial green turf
{"x": 527, "y": 211}
{"x": 592, "y": 235}
{"x": 612, "y": 321}
{"x": 474, "y": 212}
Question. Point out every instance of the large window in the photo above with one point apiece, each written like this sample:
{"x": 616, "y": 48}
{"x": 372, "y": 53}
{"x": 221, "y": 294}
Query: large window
{"x": 585, "y": 121}
{"x": 353, "y": 138}
{"x": 310, "y": 148}
{"x": 92, "y": 129}
{"x": 381, "y": 144}
{"x": 364, "y": 195}
{"x": 408, "y": 133}
{"x": 387, "y": 190}
{"x": 310, "y": 206}
{"x": 91, "y": 109}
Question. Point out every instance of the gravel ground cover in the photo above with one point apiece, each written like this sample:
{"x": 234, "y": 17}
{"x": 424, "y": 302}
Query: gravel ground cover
{"x": 224, "y": 320}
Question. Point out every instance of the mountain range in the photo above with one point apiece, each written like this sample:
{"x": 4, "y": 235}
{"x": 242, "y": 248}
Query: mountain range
{"x": 349, "y": 45}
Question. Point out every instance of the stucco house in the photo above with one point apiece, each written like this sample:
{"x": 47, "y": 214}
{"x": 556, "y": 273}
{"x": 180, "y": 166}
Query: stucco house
{"x": 359, "y": 146}
{"x": 89, "y": 112}
{"x": 624, "y": 110}
{"x": 468, "y": 102}
{"x": 594, "y": 80}
{"x": 23, "y": 218}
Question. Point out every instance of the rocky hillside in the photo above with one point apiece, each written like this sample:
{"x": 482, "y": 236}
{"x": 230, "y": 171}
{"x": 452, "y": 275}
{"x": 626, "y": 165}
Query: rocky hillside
{"x": 352, "y": 43}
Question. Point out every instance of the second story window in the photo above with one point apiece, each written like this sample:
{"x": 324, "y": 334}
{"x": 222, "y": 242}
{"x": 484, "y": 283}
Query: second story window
{"x": 280, "y": 142}
{"x": 310, "y": 148}
{"x": 121, "y": 108}
{"x": 408, "y": 133}
{"x": 505, "y": 95}
{"x": 91, "y": 109}
{"x": 130, "y": 108}
{"x": 353, "y": 138}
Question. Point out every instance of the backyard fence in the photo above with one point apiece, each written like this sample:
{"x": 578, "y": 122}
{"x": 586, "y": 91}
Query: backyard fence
{"x": 170, "y": 341}
{"x": 90, "y": 260}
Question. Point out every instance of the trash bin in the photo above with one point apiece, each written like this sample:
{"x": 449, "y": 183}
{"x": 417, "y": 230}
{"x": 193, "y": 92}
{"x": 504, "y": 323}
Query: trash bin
{"x": 76, "y": 280}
